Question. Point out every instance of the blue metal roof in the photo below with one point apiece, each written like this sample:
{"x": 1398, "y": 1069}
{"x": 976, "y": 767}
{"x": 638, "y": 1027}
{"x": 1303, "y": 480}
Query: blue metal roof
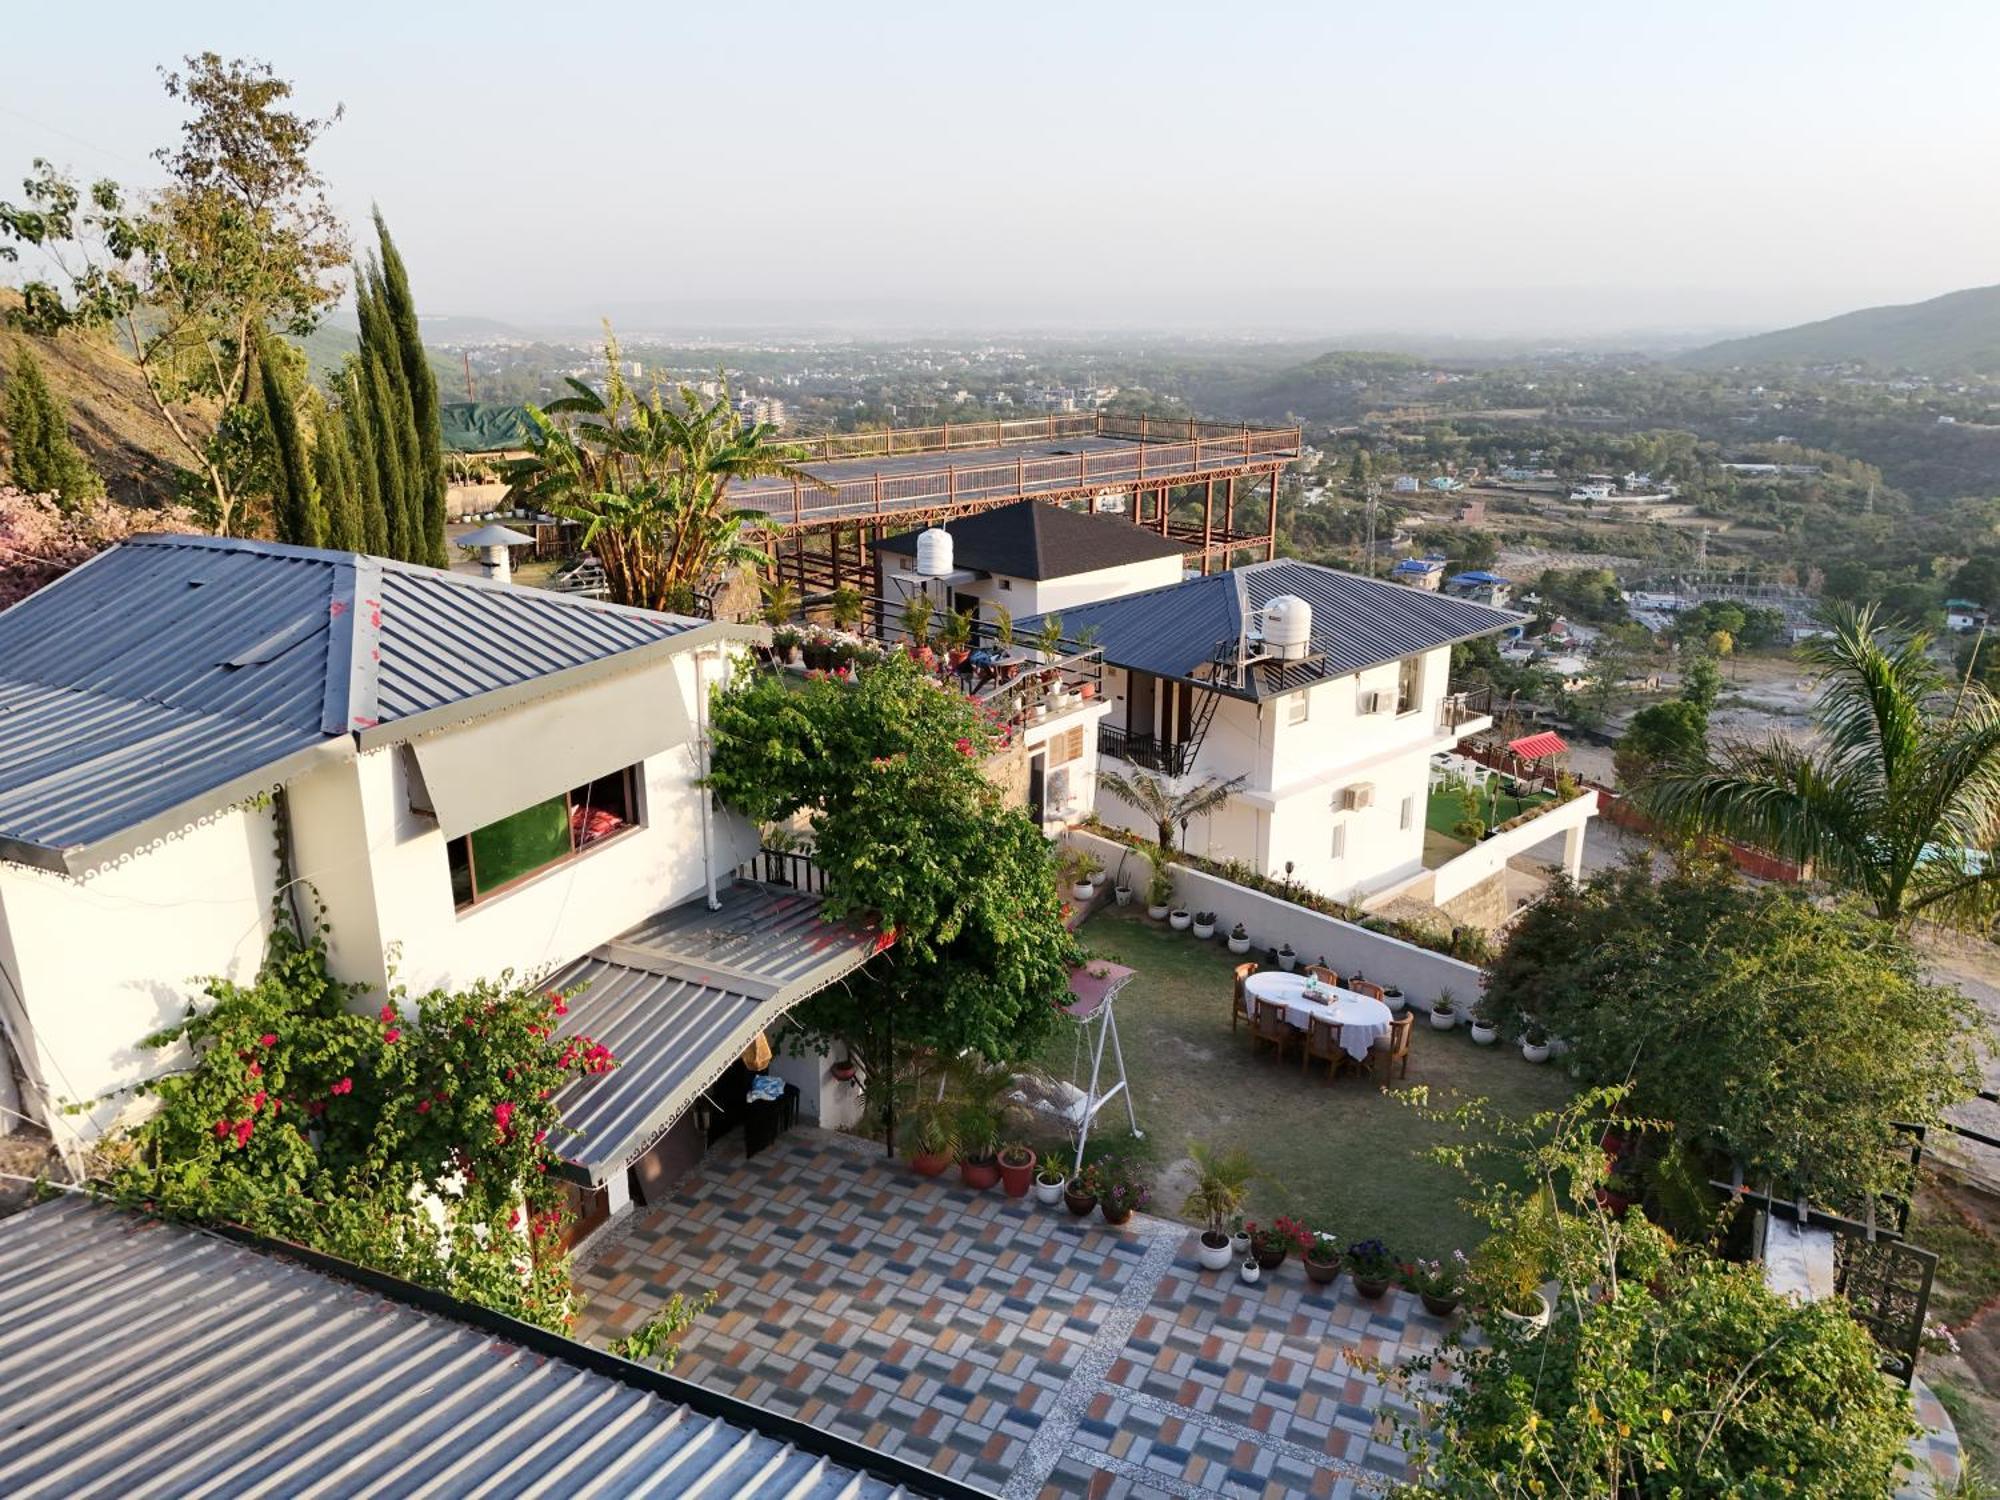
{"x": 1477, "y": 576}
{"x": 1357, "y": 623}
{"x": 142, "y": 1358}
{"x": 173, "y": 675}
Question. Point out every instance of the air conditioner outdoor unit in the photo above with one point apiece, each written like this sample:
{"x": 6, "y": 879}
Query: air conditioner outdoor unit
{"x": 1371, "y": 703}
{"x": 1355, "y": 798}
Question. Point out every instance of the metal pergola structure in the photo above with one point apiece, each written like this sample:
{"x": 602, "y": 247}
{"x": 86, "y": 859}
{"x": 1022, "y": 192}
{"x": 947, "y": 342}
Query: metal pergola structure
{"x": 874, "y": 484}
{"x": 1094, "y": 988}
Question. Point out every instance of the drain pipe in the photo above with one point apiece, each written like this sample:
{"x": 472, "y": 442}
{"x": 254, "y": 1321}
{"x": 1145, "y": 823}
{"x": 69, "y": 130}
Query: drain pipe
{"x": 701, "y": 768}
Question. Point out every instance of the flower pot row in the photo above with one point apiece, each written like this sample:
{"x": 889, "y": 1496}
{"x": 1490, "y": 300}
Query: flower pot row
{"x": 1013, "y": 1169}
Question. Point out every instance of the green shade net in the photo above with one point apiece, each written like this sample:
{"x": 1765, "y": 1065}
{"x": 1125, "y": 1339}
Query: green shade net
{"x": 521, "y": 843}
{"x": 483, "y": 426}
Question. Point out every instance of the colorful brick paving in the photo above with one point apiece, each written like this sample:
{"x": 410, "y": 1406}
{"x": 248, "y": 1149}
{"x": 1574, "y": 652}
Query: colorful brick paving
{"x": 1007, "y": 1344}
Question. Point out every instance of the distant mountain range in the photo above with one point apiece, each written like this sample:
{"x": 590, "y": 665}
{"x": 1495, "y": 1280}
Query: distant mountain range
{"x": 1956, "y": 334}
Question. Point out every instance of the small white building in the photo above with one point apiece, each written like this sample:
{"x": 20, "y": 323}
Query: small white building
{"x": 472, "y": 778}
{"x": 1334, "y": 744}
{"x": 1406, "y": 484}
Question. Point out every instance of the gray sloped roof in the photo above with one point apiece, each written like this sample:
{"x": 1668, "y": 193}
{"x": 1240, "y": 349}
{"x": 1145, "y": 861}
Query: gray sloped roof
{"x": 679, "y": 996}
{"x": 173, "y": 675}
{"x": 1033, "y": 539}
{"x": 146, "y": 1359}
{"x": 1357, "y": 623}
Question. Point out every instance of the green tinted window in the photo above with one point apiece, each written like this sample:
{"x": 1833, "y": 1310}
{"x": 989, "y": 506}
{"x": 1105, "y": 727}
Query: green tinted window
{"x": 521, "y": 843}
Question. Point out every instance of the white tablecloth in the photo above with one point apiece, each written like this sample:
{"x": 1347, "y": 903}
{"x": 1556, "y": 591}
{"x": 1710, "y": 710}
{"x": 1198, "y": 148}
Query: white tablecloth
{"x": 1362, "y": 1019}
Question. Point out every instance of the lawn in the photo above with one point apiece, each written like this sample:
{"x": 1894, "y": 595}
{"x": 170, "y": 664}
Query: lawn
{"x": 1446, "y": 807}
{"x": 1346, "y": 1156}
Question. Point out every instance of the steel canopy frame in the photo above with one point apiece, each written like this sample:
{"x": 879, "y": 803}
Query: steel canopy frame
{"x": 1096, "y": 987}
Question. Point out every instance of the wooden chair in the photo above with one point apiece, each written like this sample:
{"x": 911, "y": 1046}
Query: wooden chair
{"x": 1322, "y": 1042}
{"x": 1369, "y": 988}
{"x": 1323, "y": 974}
{"x": 1239, "y": 1007}
{"x": 1392, "y": 1053}
{"x": 1268, "y": 1024}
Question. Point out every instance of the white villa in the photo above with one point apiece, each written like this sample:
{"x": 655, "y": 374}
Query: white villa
{"x": 473, "y": 778}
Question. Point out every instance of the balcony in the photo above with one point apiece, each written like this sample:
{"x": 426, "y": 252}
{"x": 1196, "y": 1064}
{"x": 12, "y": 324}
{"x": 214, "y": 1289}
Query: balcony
{"x": 1461, "y": 714}
{"x": 1145, "y": 751}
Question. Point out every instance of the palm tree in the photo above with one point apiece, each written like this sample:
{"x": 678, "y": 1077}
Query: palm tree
{"x": 1897, "y": 801}
{"x": 649, "y": 478}
{"x": 1147, "y": 794}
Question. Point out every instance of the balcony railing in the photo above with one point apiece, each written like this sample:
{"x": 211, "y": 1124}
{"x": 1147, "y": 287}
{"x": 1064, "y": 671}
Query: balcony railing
{"x": 793, "y": 867}
{"x": 1144, "y": 750}
{"x": 1457, "y": 709}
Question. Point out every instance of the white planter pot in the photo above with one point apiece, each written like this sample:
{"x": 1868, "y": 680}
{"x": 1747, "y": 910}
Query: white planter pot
{"x": 1287, "y": 961}
{"x": 1050, "y": 1193}
{"x": 1535, "y": 1052}
{"x": 1213, "y": 1257}
{"x": 1239, "y": 945}
{"x": 1123, "y": 895}
{"x": 1249, "y": 1270}
{"x": 1530, "y": 1323}
{"x": 1157, "y": 913}
{"x": 1083, "y": 891}
{"x": 1180, "y": 921}
{"x": 1396, "y": 1000}
{"x": 1204, "y": 930}
{"x": 1239, "y": 1248}
{"x": 1443, "y": 1020}
{"x": 1486, "y": 1036}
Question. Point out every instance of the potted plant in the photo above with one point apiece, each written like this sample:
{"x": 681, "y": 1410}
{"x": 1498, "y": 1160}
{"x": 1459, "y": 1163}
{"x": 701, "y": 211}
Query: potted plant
{"x": 785, "y": 645}
{"x": 1080, "y": 1197}
{"x": 1395, "y": 999}
{"x": 1159, "y": 884}
{"x": 1051, "y": 1179}
{"x": 1271, "y": 1243}
{"x": 1444, "y": 1011}
{"x": 1321, "y": 1254}
{"x": 1509, "y": 1268}
{"x": 1120, "y": 1190}
{"x": 1249, "y": 1270}
{"x": 845, "y": 607}
{"x": 1439, "y": 1284}
{"x": 1222, "y": 1181}
{"x": 1371, "y": 1267}
{"x": 1485, "y": 1030}
{"x": 917, "y": 613}
{"x": 1017, "y": 1169}
{"x": 1179, "y": 919}
{"x": 1083, "y": 870}
{"x": 843, "y": 1070}
{"x": 954, "y": 634}
{"x": 1616, "y": 1194}
{"x": 1204, "y": 925}
{"x": 932, "y": 1141}
{"x": 1239, "y": 1239}
{"x": 1288, "y": 958}
{"x": 1121, "y": 890}
{"x": 1239, "y": 939}
{"x": 1535, "y": 1044}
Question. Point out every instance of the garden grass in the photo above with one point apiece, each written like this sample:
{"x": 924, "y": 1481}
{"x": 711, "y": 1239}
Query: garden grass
{"x": 1347, "y": 1157}
{"x": 1445, "y": 807}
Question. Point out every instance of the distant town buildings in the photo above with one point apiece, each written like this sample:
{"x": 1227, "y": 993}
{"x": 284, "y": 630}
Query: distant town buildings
{"x": 1406, "y": 484}
{"x": 1424, "y": 573}
{"x": 1481, "y": 587}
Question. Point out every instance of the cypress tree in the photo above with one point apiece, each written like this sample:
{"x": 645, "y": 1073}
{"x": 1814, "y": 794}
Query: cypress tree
{"x": 396, "y": 428}
{"x": 37, "y": 422}
{"x": 295, "y": 502}
{"x": 388, "y": 456}
{"x": 333, "y": 466}
{"x": 361, "y": 447}
{"x": 420, "y": 384}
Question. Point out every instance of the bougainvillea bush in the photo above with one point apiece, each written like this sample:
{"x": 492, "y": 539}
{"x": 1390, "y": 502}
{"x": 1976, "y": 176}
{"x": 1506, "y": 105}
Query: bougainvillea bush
{"x": 414, "y": 1139}
{"x": 42, "y": 536}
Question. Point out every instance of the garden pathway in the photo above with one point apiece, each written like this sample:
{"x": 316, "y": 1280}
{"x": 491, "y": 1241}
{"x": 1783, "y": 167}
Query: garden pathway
{"x": 1006, "y": 1344}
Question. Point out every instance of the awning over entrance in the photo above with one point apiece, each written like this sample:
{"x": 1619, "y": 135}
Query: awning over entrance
{"x": 677, "y": 999}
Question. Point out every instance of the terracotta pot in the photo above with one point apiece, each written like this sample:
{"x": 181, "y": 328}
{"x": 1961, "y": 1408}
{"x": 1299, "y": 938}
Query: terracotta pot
{"x": 1270, "y": 1260}
{"x": 1322, "y": 1272}
{"x": 1115, "y": 1215}
{"x": 1015, "y": 1180}
{"x": 930, "y": 1163}
{"x": 1615, "y": 1204}
{"x": 1439, "y": 1307}
{"x": 843, "y": 1071}
{"x": 1080, "y": 1204}
{"x": 1368, "y": 1288}
{"x": 979, "y": 1175}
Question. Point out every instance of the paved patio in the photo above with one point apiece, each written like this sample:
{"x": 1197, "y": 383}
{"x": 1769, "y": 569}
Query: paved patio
{"x": 1006, "y": 1344}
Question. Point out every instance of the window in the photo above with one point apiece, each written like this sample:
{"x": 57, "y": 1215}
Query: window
{"x": 1066, "y": 747}
{"x": 487, "y": 860}
{"x": 1409, "y": 684}
{"x": 1297, "y": 707}
{"x": 1340, "y": 841}
{"x": 1006, "y": 585}
{"x": 1408, "y": 814}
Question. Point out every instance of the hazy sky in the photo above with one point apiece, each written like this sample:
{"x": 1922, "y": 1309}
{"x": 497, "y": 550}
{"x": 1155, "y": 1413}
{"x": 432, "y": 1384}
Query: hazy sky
{"x": 1477, "y": 168}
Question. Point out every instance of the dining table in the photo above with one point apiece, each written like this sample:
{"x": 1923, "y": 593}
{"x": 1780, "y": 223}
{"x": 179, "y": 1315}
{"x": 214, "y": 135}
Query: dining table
{"x": 1363, "y": 1020}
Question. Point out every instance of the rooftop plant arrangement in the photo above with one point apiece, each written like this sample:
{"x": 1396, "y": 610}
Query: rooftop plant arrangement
{"x": 1221, "y": 1188}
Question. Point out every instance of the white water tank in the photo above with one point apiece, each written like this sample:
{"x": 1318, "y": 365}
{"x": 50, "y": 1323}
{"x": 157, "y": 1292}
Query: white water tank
{"x": 934, "y": 552}
{"x": 1288, "y": 628}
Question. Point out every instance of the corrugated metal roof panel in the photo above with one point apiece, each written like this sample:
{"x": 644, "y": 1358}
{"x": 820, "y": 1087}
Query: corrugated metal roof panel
{"x": 145, "y": 1359}
{"x": 173, "y": 666}
{"x": 677, "y": 997}
{"x": 1357, "y": 623}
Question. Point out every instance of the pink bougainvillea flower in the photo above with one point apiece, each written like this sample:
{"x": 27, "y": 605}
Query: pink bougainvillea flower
{"x": 388, "y": 1013}
{"x": 561, "y": 1006}
{"x": 256, "y": 1101}
{"x": 222, "y": 1128}
{"x": 423, "y": 1106}
{"x": 254, "y": 1071}
{"x": 268, "y": 1039}
{"x": 541, "y": 1136}
{"x": 343, "y": 1086}
{"x": 243, "y": 1129}
{"x": 964, "y": 746}
{"x": 392, "y": 1036}
{"x": 503, "y": 1114}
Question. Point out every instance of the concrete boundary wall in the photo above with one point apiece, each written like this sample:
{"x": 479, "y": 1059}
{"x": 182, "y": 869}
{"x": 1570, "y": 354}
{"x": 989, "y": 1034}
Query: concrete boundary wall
{"x": 1273, "y": 921}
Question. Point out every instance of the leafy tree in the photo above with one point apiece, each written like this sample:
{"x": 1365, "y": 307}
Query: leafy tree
{"x": 1898, "y": 799}
{"x": 1149, "y": 796}
{"x": 1665, "y": 1372}
{"x": 649, "y": 479}
{"x": 37, "y": 424}
{"x": 1701, "y": 680}
{"x": 915, "y": 839}
{"x": 240, "y": 237}
{"x": 1664, "y": 734}
{"x": 1757, "y": 1025}
{"x": 1978, "y": 577}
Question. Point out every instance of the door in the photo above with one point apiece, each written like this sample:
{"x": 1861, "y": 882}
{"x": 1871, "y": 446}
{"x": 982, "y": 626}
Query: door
{"x": 1038, "y": 777}
{"x": 1139, "y": 706}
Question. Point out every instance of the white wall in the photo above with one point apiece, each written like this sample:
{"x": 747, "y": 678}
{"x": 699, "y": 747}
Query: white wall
{"x": 1024, "y": 597}
{"x": 1489, "y": 856}
{"x": 1082, "y": 797}
{"x": 104, "y": 962}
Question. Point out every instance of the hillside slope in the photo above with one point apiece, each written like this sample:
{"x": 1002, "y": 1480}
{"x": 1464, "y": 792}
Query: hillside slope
{"x": 111, "y": 418}
{"x": 1958, "y": 333}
